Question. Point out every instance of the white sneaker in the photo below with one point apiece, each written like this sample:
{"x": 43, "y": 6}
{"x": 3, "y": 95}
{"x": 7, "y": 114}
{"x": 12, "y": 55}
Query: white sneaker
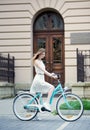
{"x": 47, "y": 106}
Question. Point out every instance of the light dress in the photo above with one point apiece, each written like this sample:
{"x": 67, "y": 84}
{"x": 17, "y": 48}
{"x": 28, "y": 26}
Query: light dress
{"x": 39, "y": 84}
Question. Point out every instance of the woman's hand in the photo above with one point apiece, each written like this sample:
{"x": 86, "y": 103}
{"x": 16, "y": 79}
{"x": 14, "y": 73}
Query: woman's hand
{"x": 53, "y": 75}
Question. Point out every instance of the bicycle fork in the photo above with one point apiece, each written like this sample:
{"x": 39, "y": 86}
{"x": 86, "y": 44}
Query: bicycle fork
{"x": 65, "y": 99}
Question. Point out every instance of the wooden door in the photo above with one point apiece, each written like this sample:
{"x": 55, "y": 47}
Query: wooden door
{"x": 54, "y": 59}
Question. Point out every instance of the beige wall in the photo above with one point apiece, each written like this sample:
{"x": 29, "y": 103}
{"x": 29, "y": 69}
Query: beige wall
{"x": 15, "y": 36}
{"x": 16, "y": 33}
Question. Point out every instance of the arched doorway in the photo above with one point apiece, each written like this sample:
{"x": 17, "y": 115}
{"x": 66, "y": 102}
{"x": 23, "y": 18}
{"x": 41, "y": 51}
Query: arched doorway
{"x": 49, "y": 34}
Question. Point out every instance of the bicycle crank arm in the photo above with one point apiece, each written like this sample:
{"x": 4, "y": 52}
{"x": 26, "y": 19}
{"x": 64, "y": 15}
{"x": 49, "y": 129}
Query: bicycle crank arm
{"x": 44, "y": 109}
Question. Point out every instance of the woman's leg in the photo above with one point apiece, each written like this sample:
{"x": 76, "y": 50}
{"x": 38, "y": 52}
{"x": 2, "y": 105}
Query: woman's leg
{"x": 50, "y": 93}
{"x": 47, "y": 103}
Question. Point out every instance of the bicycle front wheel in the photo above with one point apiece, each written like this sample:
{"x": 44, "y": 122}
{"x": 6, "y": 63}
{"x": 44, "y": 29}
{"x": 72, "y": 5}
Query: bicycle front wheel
{"x": 69, "y": 107}
{"x": 21, "y": 106}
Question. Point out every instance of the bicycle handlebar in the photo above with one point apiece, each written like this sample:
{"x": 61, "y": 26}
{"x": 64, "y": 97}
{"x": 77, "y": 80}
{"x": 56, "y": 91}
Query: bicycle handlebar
{"x": 58, "y": 76}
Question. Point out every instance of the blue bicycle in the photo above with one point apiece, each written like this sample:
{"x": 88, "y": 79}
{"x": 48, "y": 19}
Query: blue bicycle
{"x": 68, "y": 106}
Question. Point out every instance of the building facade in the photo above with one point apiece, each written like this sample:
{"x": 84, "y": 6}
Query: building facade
{"x": 60, "y": 26}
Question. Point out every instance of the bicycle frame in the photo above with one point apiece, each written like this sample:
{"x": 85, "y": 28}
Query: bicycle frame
{"x": 57, "y": 90}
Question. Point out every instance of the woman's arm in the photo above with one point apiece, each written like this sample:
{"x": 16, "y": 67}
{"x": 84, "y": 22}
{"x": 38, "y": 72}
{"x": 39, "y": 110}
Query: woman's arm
{"x": 44, "y": 70}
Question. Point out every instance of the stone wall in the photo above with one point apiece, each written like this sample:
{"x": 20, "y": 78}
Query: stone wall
{"x": 6, "y": 90}
{"x": 82, "y": 89}
{"x": 22, "y": 87}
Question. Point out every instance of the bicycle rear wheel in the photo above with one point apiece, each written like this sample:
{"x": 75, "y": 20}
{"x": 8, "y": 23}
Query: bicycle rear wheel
{"x": 21, "y": 107}
{"x": 69, "y": 107}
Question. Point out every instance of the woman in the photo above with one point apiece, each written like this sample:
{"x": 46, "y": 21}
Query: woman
{"x": 39, "y": 84}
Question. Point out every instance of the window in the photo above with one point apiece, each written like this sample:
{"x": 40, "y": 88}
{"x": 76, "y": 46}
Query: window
{"x": 48, "y": 21}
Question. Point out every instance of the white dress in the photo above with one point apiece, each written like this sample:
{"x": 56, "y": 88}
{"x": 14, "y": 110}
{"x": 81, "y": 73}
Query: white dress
{"x": 39, "y": 84}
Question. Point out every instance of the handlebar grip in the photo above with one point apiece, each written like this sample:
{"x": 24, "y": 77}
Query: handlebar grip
{"x": 58, "y": 75}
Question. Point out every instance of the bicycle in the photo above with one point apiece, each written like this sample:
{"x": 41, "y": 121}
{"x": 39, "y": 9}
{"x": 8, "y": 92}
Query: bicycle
{"x": 26, "y": 106}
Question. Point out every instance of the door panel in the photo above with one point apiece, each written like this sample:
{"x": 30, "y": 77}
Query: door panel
{"x": 57, "y": 56}
{"x": 54, "y": 59}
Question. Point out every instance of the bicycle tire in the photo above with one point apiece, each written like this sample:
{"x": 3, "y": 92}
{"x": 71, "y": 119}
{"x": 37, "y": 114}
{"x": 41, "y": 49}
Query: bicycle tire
{"x": 19, "y": 107}
{"x": 69, "y": 107}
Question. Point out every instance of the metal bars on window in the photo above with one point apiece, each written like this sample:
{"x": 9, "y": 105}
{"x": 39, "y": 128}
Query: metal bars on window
{"x": 83, "y": 65}
{"x": 7, "y": 72}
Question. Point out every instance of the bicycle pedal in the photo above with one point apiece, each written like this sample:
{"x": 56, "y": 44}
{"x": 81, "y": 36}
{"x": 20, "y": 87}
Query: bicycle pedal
{"x": 44, "y": 109}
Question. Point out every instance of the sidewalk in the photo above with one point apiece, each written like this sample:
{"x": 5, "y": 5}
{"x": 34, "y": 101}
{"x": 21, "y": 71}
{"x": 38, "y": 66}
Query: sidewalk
{"x": 6, "y": 107}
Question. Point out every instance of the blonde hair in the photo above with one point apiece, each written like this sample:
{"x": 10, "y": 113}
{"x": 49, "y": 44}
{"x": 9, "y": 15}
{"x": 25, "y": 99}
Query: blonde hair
{"x": 39, "y": 52}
